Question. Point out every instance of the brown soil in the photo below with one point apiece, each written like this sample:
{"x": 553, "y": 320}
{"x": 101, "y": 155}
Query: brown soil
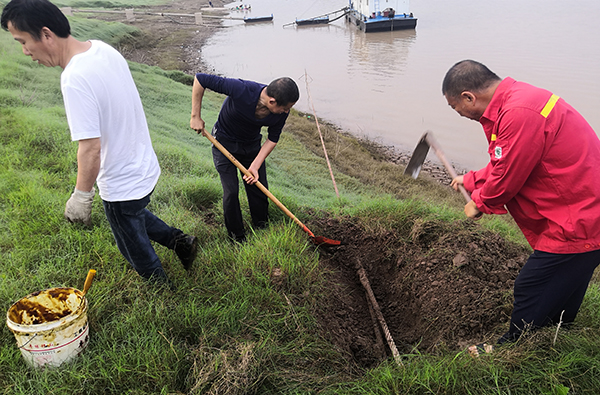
{"x": 440, "y": 287}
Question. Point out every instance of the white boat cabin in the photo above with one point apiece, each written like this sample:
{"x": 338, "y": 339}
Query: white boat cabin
{"x": 381, "y": 7}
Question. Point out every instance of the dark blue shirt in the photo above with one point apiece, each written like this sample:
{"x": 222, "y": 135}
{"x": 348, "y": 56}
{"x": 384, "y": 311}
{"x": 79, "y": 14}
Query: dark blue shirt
{"x": 237, "y": 120}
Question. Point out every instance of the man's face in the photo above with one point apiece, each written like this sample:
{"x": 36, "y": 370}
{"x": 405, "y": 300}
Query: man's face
{"x": 278, "y": 109}
{"x": 465, "y": 105}
{"x": 37, "y": 49}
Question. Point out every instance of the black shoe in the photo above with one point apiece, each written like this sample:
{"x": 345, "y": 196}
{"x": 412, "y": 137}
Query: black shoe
{"x": 161, "y": 281}
{"x": 261, "y": 225}
{"x": 186, "y": 248}
{"x": 240, "y": 239}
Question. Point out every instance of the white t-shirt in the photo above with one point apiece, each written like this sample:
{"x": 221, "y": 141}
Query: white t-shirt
{"x": 101, "y": 100}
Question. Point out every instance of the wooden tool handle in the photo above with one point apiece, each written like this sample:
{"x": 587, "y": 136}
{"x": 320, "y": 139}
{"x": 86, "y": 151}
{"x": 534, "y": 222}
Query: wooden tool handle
{"x": 440, "y": 154}
{"x": 362, "y": 275}
{"x": 88, "y": 280}
{"x": 258, "y": 183}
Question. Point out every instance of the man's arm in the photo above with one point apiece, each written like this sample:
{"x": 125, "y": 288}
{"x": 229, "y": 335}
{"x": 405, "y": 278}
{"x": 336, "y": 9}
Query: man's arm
{"x": 88, "y": 163}
{"x": 265, "y": 150}
{"x": 456, "y": 182}
{"x": 471, "y": 209}
{"x": 196, "y": 122}
{"x": 517, "y": 150}
{"x": 79, "y": 206}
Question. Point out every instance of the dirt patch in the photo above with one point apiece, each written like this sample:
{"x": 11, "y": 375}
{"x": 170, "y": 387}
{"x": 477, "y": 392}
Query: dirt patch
{"x": 442, "y": 287}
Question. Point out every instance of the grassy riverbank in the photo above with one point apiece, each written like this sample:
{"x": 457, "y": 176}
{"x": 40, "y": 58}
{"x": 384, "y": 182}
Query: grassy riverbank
{"x": 242, "y": 320}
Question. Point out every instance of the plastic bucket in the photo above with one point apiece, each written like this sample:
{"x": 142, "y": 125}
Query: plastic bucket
{"x": 50, "y": 326}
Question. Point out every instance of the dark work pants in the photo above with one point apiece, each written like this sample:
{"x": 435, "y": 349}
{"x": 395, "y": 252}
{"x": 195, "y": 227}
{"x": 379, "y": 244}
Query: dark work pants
{"x": 133, "y": 227}
{"x": 245, "y": 153}
{"x": 547, "y": 286}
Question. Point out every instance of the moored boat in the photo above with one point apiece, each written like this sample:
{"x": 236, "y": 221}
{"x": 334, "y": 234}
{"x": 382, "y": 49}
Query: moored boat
{"x": 313, "y": 21}
{"x": 258, "y": 19}
{"x": 368, "y": 16}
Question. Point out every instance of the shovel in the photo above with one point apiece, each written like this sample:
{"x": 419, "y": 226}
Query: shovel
{"x": 418, "y": 157}
{"x": 318, "y": 240}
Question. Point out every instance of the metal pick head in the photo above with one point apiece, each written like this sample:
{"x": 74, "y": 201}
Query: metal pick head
{"x": 416, "y": 161}
{"x": 414, "y": 173}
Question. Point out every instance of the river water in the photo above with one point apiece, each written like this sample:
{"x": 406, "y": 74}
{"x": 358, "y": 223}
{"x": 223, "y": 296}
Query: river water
{"x": 387, "y": 86}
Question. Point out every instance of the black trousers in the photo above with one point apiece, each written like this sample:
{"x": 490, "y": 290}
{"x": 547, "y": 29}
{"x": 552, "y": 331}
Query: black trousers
{"x": 133, "y": 227}
{"x": 258, "y": 202}
{"x": 549, "y": 289}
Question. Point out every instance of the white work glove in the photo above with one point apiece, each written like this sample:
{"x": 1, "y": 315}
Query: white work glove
{"x": 79, "y": 207}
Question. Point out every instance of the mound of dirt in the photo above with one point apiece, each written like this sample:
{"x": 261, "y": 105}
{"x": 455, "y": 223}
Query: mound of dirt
{"x": 444, "y": 286}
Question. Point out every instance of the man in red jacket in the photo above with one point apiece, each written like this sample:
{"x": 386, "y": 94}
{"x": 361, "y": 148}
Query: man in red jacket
{"x": 544, "y": 162}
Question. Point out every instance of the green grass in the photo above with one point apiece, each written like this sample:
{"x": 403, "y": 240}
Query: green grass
{"x": 229, "y": 328}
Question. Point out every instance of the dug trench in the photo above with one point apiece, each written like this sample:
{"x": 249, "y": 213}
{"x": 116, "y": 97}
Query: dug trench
{"x": 440, "y": 286}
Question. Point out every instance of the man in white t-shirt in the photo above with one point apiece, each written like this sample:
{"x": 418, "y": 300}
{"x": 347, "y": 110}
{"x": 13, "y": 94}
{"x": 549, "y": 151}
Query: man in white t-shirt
{"x": 106, "y": 118}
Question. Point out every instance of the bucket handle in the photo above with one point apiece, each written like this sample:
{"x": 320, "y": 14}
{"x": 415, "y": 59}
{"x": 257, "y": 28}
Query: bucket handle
{"x": 29, "y": 341}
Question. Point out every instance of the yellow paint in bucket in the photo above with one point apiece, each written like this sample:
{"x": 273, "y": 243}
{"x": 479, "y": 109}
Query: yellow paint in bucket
{"x": 50, "y": 326}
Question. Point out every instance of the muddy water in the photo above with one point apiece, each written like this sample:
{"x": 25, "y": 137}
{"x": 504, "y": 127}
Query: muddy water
{"x": 387, "y": 86}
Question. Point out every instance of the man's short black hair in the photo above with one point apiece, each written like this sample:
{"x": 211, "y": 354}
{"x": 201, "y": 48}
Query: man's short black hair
{"x": 467, "y": 75}
{"x": 284, "y": 90}
{"x": 30, "y": 16}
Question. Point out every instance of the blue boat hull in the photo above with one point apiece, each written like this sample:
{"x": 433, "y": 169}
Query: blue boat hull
{"x": 381, "y": 23}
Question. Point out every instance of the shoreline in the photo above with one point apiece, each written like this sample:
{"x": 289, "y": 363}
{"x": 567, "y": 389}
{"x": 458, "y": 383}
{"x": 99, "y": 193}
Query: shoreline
{"x": 392, "y": 154}
{"x": 165, "y": 41}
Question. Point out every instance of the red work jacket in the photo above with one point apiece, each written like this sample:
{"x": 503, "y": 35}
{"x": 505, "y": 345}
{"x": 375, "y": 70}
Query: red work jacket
{"x": 544, "y": 169}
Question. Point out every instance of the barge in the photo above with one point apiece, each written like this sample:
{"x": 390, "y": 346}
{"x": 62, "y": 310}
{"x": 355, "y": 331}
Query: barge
{"x": 368, "y": 16}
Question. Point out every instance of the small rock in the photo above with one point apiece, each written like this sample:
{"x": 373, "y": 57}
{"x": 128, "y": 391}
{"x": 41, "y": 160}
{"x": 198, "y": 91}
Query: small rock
{"x": 460, "y": 259}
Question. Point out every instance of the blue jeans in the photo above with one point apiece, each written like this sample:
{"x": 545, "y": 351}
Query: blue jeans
{"x": 549, "y": 289}
{"x": 133, "y": 227}
{"x": 258, "y": 202}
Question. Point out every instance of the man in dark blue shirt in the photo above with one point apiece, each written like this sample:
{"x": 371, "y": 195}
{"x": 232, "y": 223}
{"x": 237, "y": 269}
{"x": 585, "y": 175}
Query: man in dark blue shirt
{"x": 248, "y": 107}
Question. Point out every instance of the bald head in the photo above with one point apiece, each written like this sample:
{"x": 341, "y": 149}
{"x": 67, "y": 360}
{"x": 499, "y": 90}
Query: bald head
{"x": 468, "y": 75}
